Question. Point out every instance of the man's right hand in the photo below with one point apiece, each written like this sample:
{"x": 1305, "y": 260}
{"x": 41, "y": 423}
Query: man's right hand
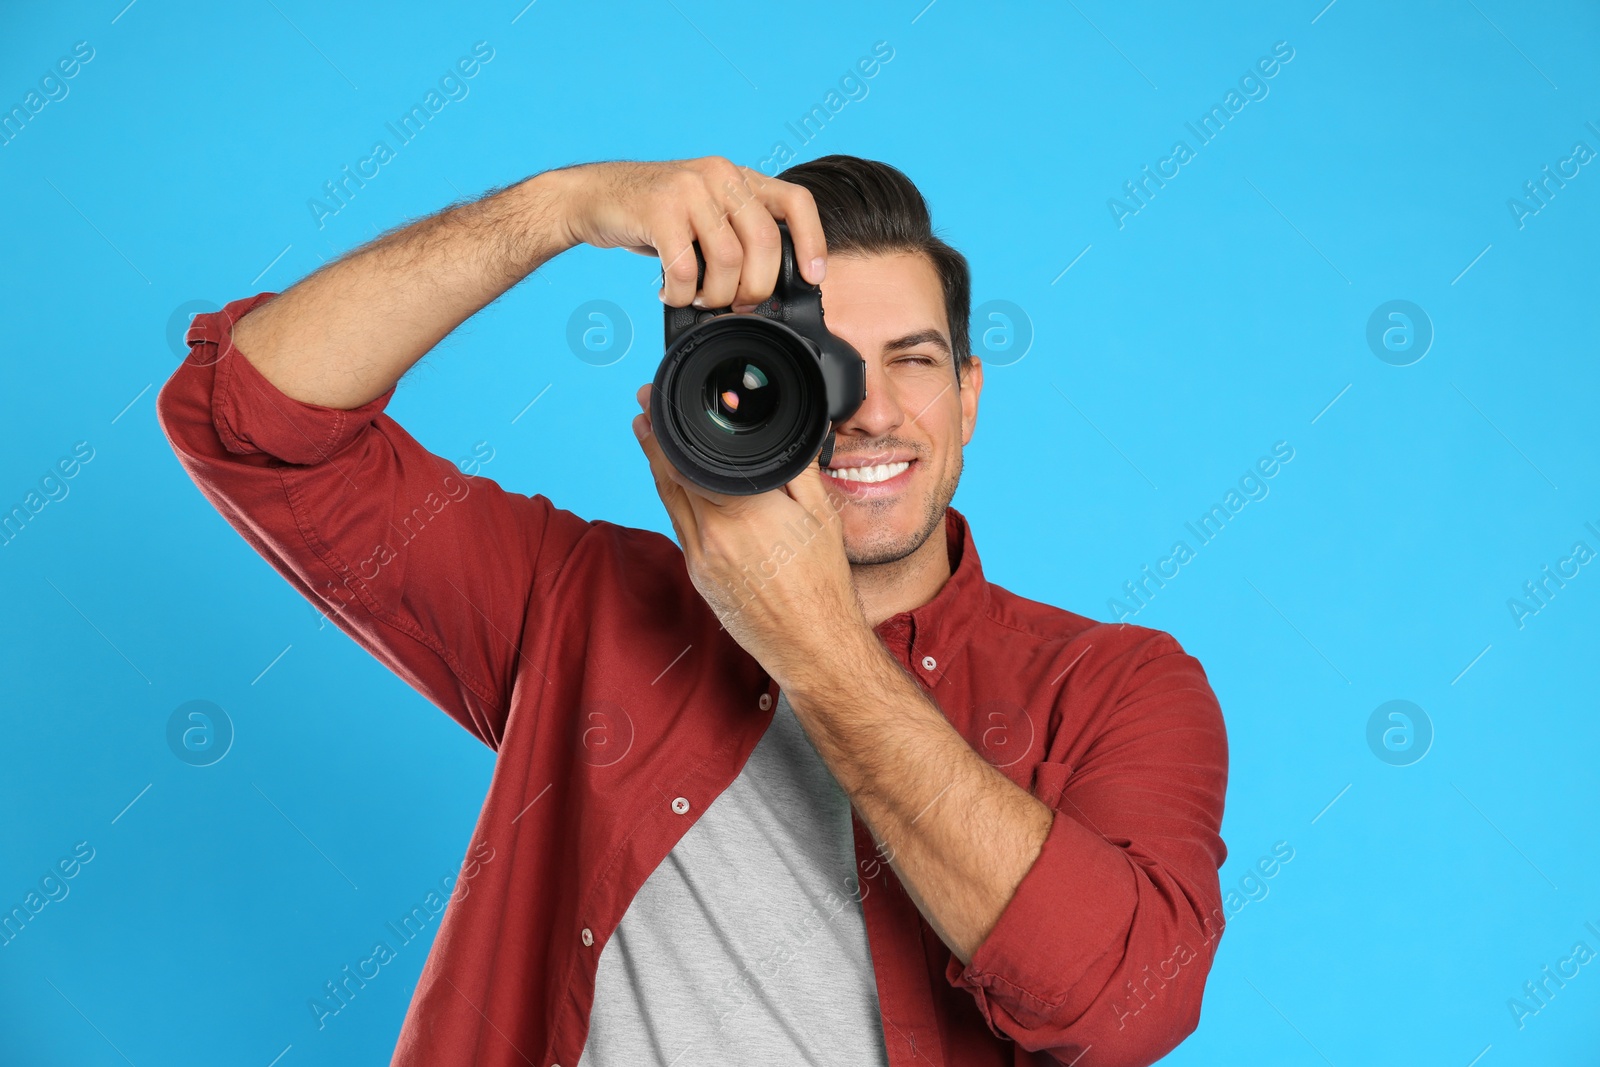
{"x": 345, "y": 334}
{"x": 660, "y": 208}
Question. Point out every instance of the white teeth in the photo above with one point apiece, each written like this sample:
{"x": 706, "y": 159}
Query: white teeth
{"x": 880, "y": 473}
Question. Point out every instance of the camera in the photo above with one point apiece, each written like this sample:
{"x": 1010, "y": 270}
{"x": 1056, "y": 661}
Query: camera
{"x": 744, "y": 402}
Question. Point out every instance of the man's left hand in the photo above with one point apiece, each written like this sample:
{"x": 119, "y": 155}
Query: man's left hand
{"x": 772, "y": 565}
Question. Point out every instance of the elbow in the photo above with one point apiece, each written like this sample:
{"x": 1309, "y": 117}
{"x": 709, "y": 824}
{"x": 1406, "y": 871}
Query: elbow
{"x": 1146, "y": 1027}
{"x": 1126, "y": 1025}
{"x": 184, "y": 408}
{"x": 167, "y": 403}
{"x": 179, "y": 409}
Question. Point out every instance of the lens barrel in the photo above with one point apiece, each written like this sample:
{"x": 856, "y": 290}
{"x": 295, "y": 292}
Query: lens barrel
{"x": 741, "y": 407}
{"x": 742, "y": 403}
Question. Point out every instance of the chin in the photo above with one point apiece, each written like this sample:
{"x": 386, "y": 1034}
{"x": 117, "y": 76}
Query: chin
{"x": 884, "y": 532}
{"x": 889, "y": 529}
{"x": 877, "y": 547}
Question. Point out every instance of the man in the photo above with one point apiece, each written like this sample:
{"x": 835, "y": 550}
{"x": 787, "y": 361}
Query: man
{"x": 801, "y": 788}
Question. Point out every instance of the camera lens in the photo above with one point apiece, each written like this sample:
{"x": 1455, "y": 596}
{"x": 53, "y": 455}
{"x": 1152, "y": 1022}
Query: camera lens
{"x": 740, "y": 406}
{"x": 740, "y": 396}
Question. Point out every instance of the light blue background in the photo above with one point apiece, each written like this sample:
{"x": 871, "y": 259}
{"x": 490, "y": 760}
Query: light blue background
{"x": 1224, "y": 317}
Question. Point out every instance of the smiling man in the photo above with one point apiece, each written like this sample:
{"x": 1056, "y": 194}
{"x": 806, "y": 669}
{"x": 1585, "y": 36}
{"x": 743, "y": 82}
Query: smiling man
{"x": 800, "y": 787}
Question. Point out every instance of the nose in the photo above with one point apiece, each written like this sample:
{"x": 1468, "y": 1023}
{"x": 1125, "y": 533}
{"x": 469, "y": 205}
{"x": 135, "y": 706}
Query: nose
{"x": 880, "y": 414}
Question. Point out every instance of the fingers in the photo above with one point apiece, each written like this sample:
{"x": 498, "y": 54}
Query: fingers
{"x": 763, "y": 252}
{"x": 795, "y": 205}
{"x": 682, "y": 497}
{"x": 719, "y": 244}
{"x": 738, "y": 238}
{"x": 660, "y": 209}
{"x": 680, "y": 508}
{"x": 732, "y": 213}
{"x": 678, "y": 268}
{"x": 811, "y": 491}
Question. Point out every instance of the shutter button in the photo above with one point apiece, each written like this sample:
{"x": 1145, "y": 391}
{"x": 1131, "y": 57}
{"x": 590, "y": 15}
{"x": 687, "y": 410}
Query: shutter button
{"x": 929, "y": 663}
{"x": 588, "y": 936}
{"x": 680, "y": 805}
{"x": 765, "y": 702}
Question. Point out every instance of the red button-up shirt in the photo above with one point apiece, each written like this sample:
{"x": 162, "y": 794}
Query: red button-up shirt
{"x": 619, "y": 710}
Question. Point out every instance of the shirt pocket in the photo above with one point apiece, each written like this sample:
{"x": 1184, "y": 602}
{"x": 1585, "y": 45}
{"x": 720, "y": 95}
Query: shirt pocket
{"x": 1050, "y": 780}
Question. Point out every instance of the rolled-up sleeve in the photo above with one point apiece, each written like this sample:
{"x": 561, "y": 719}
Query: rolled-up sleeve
{"x": 438, "y": 574}
{"x": 1101, "y": 956}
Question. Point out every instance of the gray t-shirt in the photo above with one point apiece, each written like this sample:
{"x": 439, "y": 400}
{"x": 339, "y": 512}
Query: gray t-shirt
{"x": 747, "y": 944}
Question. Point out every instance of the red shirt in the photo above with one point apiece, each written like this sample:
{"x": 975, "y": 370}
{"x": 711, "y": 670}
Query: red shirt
{"x": 619, "y": 710}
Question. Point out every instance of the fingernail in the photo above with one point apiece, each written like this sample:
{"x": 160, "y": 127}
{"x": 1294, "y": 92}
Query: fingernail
{"x": 698, "y": 301}
{"x": 819, "y": 267}
{"x": 661, "y": 294}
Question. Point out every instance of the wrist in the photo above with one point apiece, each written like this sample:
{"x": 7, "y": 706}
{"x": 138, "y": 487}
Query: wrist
{"x": 848, "y": 658}
{"x": 541, "y": 215}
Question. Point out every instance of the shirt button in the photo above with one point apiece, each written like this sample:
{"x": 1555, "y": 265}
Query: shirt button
{"x": 765, "y": 702}
{"x": 929, "y": 663}
{"x": 588, "y": 936}
{"x": 680, "y": 805}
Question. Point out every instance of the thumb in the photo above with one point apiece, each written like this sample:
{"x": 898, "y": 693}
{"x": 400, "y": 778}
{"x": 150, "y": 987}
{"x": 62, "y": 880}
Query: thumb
{"x": 811, "y": 491}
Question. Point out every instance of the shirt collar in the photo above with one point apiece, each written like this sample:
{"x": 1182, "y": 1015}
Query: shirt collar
{"x": 943, "y": 623}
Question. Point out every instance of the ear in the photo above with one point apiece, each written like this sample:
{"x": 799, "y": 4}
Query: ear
{"x": 971, "y": 386}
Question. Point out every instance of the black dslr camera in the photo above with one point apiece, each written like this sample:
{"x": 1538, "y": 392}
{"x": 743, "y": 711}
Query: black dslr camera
{"x": 744, "y": 402}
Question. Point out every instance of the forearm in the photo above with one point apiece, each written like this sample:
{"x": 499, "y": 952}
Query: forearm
{"x": 959, "y": 834}
{"x": 346, "y": 333}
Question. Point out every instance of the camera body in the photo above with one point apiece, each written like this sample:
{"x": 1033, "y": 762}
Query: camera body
{"x": 742, "y": 403}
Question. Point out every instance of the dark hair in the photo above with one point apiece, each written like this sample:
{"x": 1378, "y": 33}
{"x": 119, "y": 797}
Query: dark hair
{"x": 871, "y": 208}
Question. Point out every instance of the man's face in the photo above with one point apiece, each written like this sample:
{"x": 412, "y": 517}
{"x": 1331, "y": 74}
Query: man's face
{"x": 903, "y": 446}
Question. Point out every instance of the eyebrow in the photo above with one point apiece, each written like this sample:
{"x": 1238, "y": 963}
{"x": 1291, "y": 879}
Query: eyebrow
{"x": 921, "y": 337}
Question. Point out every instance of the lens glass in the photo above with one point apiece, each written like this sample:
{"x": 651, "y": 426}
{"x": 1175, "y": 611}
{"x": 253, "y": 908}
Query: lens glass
{"x": 741, "y": 403}
{"x": 740, "y": 396}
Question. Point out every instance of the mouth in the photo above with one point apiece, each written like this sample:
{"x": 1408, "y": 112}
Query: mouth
{"x": 873, "y": 480}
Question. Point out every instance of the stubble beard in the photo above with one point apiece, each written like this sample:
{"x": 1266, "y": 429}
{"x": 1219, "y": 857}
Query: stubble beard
{"x": 877, "y": 551}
